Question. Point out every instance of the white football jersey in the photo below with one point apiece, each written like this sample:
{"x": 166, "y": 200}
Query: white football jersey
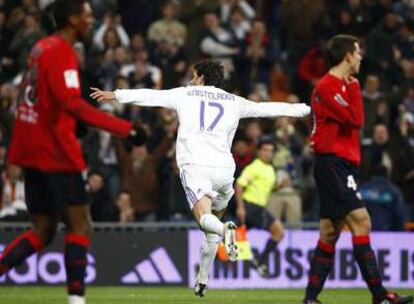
{"x": 208, "y": 119}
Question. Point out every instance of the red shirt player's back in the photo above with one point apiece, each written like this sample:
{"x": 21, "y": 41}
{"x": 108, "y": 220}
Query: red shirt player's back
{"x": 50, "y": 102}
{"x": 337, "y": 116}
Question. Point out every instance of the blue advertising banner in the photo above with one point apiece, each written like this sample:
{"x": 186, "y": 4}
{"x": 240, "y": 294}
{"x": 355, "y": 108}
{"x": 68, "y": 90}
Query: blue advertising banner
{"x": 289, "y": 265}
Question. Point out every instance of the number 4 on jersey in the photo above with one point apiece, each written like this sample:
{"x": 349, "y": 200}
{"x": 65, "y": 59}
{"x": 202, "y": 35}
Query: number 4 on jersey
{"x": 216, "y": 119}
{"x": 351, "y": 183}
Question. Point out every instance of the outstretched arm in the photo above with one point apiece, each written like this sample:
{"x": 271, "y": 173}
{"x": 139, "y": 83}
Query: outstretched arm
{"x": 141, "y": 97}
{"x": 272, "y": 109}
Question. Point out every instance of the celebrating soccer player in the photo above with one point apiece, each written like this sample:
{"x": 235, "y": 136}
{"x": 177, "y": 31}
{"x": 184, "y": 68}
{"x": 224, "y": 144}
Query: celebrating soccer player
{"x": 44, "y": 143}
{"x": 337, "y": 116}
{"x": 208, "y": 119}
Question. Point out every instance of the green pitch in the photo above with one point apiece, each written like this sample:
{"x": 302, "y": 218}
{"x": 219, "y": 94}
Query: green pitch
{"x": 178, "y": 295}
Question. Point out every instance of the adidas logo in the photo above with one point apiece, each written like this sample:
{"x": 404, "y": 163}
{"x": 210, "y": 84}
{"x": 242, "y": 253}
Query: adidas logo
{"x": 158, "y": 268}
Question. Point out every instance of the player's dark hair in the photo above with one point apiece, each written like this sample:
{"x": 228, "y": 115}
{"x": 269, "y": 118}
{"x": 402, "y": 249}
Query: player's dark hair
{"x": 63, "y": 9}
{"x": 338, "y": 47}
{"x": 212, "y": 70}
{"x": 265, "y": 141}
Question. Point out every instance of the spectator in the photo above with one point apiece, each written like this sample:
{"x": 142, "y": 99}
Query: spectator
{"x": 114, "y": 61}
{"x": 126, "y": 213}
{"x": 137, "y": 15}
{"x": 3, "y": 151}
{"x": 382, "y": 54}
{"x": 289, "y": 145}
{"x": 377, "y": 152}
{"x": 285, "y": 204}
{"x": 12, "y": 204}
{"x": 371, "y": 96}
{"x": 141, "y": 73}
{"x": 192, "y": 13}
{"x": 405, "y": 47}
{"x": 312, "y": 66}
{"x": 6, "y": 62}
{"x": 396, "y": 154}
{"x": 139, "y": 177}
{"x": 404, "y": 8}
{"x": 170, "y": 57}
{"x": 217, "y": 42}
{"x": 102, "y": 155}
{"x": 404, "y": 175}
{"x": 253, "y": 132}
{"x": 138, "y": 43}
{"x": 111, "y": 34}
{"x": 279, "y": 87}
{"x": 384, "y": 201}
{"x": 101, "y": 202}
{"x": 297, "y": 19}
{"x": 25, "y": 38}
{"x": 168, "y": 28}
{"x": 258, "y": 55}
{"x": 8, "y": 98}
{"x": 346, "y": 23}
{"x": 360, "y": 16}
{"x": 408, "y": 100}
{"x": 227, "y": 7}
{"x": 242, "y": 154}
{"x": 239, "y": 24}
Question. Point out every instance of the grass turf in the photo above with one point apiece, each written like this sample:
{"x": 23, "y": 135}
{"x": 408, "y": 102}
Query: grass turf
{"x": 179, "y": 295}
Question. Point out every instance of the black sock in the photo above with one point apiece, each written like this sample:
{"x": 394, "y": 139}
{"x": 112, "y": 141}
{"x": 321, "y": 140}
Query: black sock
{"x": 270, "y": 246}
{"x": 367, "y": 263}
{"x": 76, "y": 249}
{"x": 320, "y": 266}
{"x": 18, "y": 250}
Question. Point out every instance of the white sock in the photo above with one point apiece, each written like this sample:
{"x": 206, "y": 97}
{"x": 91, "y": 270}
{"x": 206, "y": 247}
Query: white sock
{"x": 74, "y": 299}
{"x": 208, "y": 253}
{"x": 211, "y": 224}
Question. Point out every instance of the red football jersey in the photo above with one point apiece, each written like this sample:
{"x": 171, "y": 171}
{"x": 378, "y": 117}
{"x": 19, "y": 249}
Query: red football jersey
{"x": 337, "y": 116}
{"x": 50, "y": 103}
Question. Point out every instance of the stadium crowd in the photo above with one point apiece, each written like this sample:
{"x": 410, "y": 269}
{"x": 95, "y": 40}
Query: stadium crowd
{"x": 272, "y": 50}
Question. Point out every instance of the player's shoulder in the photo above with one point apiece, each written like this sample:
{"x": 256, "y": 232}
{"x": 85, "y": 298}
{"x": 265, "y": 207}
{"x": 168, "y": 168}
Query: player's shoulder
{"x": 51, "y": 42}
{"x": 52, "y": 47}
{"x": 252, "y": 166}
{"x": 328, "y": 80}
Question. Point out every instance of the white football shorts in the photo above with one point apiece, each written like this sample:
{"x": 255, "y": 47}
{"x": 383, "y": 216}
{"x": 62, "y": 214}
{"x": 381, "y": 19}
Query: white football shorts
{"x": 217, "y": 183}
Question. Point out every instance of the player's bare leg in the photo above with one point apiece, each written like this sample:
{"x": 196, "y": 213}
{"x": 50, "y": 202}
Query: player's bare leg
{"x": 359, "y": 223}
{"x": 211, "y": 224}
{"x": 44, "y": 225}
{"x": 40, "y": 235}
{"x": 77, "y": 242}
{"x": 322, "y": 259}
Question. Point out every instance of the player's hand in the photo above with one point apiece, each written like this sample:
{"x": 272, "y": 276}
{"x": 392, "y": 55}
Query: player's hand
{"x": 241, "y": 214}
{"x": 138, "y": 135}
{"x": 349, "y": 78}
{"x": 102, "y": 96}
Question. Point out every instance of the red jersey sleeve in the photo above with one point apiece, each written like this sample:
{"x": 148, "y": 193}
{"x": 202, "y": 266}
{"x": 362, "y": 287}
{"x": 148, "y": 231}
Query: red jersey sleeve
{"x": 63, "y": 81}
{"x": 346, "y": 109}
{"x": 354, "y": 91}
